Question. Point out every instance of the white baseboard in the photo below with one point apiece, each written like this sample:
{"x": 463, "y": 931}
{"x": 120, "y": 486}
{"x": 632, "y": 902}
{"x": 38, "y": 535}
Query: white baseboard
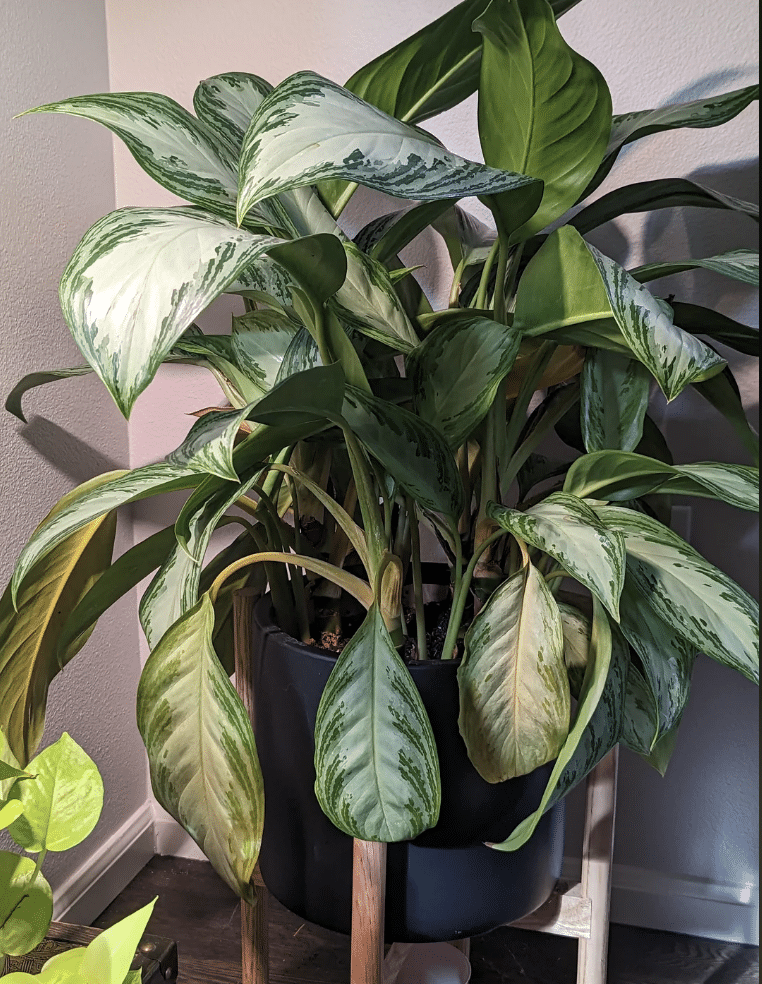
{"x": 170, "y": 840}
{"x": 95, "y": 884}
{"x": 678, "y": 904}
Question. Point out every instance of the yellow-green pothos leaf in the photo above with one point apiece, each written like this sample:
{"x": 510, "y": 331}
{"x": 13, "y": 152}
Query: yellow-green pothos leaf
{"x": 567, "y": 529}
{"x": 700, "y": 602}
{"x": 62, "y": 805}
{"x": 139, "y": 278}
{"x": 26, "y": 905}
{"x": 544, "y": 110}
{"x": 29, "y": 656}
{"x": 203, "y": 759}
{"x": 457, "y": 370}
{"x": 310, "y": 129}
{"x": 108, "y": 957}
{"x": 9, "y": 812}
{"x": 9, "y": 759}
{"x": 375, "y": 757}
{"x": 597, "y": 724}
{"x": 515, "y": 702}
{"x": 614, "y": 396}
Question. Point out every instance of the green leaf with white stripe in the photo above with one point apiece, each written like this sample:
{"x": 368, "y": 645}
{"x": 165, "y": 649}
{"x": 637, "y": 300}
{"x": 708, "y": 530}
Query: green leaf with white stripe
{"x": 138, "y": 279}
{"x": 468, "y": 239}
{"x": 544, "y": 110}
{"x": 738, "y": 264}
{"x": 260, "y": 342}
{"x": 310, "y": 129}
{"x": 675, "y": 358}
{"x": 692, "y": 596}
{"x": 375, "y": 757}
{"x": 515, "y": 702}
{"x": 619, "y": 477}
{"x": 414, "y": 453}
{"x": 614, "y": 393}
{"x": 641, "y": 717}
{"x": 204, "y": 766}
{"x": 457, "y": 370}
{"x": 567, "y": 529}
{"x": 33, "y": 379}
{"x": 597, "y": 724}
{"x": 301, "y": 354}
{"x": 226, "y": 103}
{"x": 208, "y": 448}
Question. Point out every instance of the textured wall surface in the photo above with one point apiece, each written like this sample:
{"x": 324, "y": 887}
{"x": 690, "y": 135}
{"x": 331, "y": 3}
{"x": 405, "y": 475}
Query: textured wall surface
{"x": 700, "y": 824}
{"x": 56, "y": 179}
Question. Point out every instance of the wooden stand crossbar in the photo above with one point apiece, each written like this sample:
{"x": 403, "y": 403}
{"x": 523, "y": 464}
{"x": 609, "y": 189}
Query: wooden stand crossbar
{"x": 580, "y": 910}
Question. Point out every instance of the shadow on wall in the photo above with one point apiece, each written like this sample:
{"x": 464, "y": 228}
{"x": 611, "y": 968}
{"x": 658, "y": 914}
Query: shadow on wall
{"x": 67, "y": 453}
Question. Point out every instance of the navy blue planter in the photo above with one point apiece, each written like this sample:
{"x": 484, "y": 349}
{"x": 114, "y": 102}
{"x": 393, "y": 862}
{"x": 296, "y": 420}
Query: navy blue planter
{"x": 446, "y": 884}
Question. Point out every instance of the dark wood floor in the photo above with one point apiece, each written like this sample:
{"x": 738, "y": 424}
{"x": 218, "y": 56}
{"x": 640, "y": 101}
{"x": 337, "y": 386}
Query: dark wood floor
{"x": 198, "y": 911}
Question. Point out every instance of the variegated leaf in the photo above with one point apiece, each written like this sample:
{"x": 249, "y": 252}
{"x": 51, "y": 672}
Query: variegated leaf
{"x": 208, "y": 448}
{"x": 544, "y": 110}
{"x": 723, "y": 393}
{"x": 737, "y": 485}
{"x": 614, "y": 394}
{"x": 671, "y": 355}
{"x": 33, "y": 379}
{"x": 226, "y": 104}
{"x": 309, "y": 129}
{"x": 576, "y": 628}
{"x": 139, "y": 278}
{"x": 468, "y": 239}
{"x": 514, "y": 691}
{"x": 413, "y": 452}
{"x": 204, "y": 765}
{"x": 700, "y": 320}
{"x": 91, "y": 501}
{"x": 301, "y": 354}
{"x": 597, "y": 724}
{"x": 567, "y": 529}
{"x": 641, "y": 716}
{"x": 738, "y": 264}
{"x": 260, "y": 342}
{"x": 457, "y": 370}
{"x": 375, "y": 758}
{"x": 215, "y": 352}
{"x": 696, "y": 599}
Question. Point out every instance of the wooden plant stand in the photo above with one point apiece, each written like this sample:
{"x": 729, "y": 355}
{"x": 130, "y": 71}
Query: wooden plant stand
{"x": 579, "y": 910}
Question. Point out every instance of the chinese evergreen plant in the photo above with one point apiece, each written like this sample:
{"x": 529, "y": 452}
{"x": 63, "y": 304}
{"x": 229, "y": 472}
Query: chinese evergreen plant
{"x": 358, "y": 415}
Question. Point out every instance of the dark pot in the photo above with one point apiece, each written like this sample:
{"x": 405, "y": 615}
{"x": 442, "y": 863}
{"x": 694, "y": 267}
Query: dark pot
{"x": 446, "y": 884}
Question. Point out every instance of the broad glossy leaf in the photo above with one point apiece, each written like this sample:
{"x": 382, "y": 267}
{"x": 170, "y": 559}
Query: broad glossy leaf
{"x": 91, "y": 501}
{"x": 375, "y": 757}
{"x": 226, "y": 103}
{"x": 313, "y": 395}
{"x": 26, "y": 907}
{"x": 414, "y": 453}
{"x": 317, "y": 262}
{"x": 738, "y": 264}
{"x": 204, "y": 765}
{"x": 614, "y": 395}
{"x": 108, "y": 958}
{"x": 567, "y": 529}
{"x": 539, "y": 469}
{"x": 597, "y": 724}
{"x": 309, "y": 129}
{"x": 7, "y": 758}
{"x": 29, "y": 655}
{"x": 457, "y": 370}
{"x": 407, "y": 224}
{"x": 514, "y": 691}
{"x": 723, "y": 393}
{"x": 139, "y": 278}
{"x": 696, "y": 599}
{"x": 168, "y": 142}
{"x": 703, "y": 321}
{"x": 9, "y": 812}
{"x": 737, "y": 485}
{"x": 673, "y": 357}
{"x": 663, "y": 193}
{"x": 544, "y": 110}
{"x": 13, "y": 402}
{"x": 63, "y": 803}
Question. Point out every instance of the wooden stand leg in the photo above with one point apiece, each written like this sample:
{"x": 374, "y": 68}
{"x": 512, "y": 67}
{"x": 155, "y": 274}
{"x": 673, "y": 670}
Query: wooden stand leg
{"x": 255, "y": 960}
{"x": 597, "y": 856}
{"x": 368, "y": 898}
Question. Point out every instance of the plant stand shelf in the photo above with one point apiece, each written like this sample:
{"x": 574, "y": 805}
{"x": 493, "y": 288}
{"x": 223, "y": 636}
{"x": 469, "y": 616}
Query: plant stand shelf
{"x": 578, "y": 910}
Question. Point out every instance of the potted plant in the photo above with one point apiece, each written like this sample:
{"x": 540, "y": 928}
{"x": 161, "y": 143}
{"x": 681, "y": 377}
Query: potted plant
{"x": 359, "y": 419}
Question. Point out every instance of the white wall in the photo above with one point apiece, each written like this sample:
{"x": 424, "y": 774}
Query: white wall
{"x": 56, "y": 179}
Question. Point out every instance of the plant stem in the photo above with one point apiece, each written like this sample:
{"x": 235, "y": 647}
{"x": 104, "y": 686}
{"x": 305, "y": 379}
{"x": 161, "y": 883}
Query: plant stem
{"x": 455, "y": 290}
{"x": 420, "y": 615}
{"x": 483, "y": 293}
{"x": 297, "y": 582}
{"x": 371, "y": 514}
{"x": 538, "y": 435}
{"x": 461, "y": 596}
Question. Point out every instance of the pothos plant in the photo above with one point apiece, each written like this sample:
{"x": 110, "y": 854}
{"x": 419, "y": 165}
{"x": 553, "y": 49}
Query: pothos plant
{"x": 358, "y": 416}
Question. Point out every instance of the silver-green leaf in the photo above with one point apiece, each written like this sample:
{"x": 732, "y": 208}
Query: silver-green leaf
{"x": 738, "y": 264}
{"x": 614, "y": 396}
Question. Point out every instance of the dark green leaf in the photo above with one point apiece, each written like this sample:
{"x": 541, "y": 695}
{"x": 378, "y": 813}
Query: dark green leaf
{"x": 13, "y": 402}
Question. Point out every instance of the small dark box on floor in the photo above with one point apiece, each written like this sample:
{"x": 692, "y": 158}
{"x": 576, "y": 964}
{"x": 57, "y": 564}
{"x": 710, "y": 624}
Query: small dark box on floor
{"x": 156, "y": 958}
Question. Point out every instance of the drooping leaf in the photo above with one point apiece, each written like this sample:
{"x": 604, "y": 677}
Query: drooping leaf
{"x": 414, "y": 453}
{"x": 544, "y": 110}
{"x": 723, "y": 393}
{"x": 63, "y": 804}
{"x": 457, "y": 370}
{"x": 13, "y": 402}
{"x": 26, "y": 906}
{"x": 597, "y": 724}
{"x": 641, "y": 717}
{"x": 567, "y": 529}
{"x": 697, "y": 600}
{"x": 208, "y": 447}
{"x": 29, "y": 655}
{"x": 309, "y": 129}
{"x": 703, "y": 321}
{"x": 514, "y": 691}
{"x": 649, "y": 195}
{"x": 204, "y": 765}
{"x": 614, "y": 394}
{"x": 468, "y": 239}
{"x": 375, "y": 758}
{"x": 738, "y": 264}
{"x": 139, "y": 278}
{"x": 215, "y": 352}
